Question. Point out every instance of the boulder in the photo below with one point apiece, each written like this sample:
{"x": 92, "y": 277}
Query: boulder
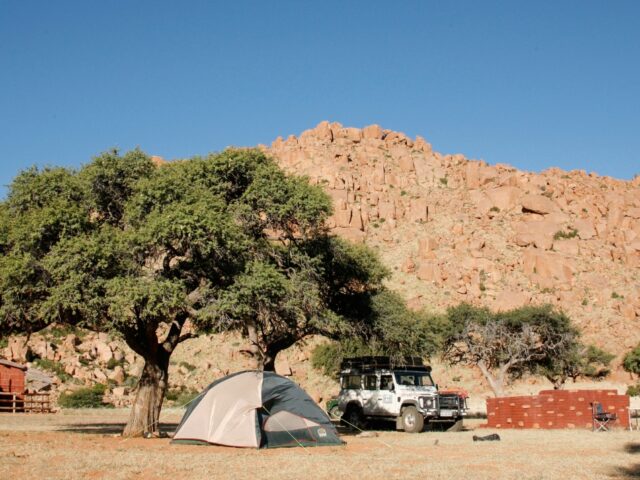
{"x": 342, "y": 217}
{"x": 472, "y": 175}
{"x": 372, "y": 132}
{"x": 349, "y": 133}
{"x": 405, "y": 163}
{"x": 418, "y": 210}
{"x": 504, "y": 198}
{"x": 409, "y": 265}
{"x": 487, "y": 174}
{"x": 538, "y": 204}
{"x": 426, "y": 246}
{"x": 482, "y": 202}
{"x": 569, "y": 247}
{"x": 103, "y": 351}
{"x": 548, "y": 266}
{"x": 17, "y": 349}
{"x": 118, "y": 375}
{"x": 120, "y": 391}
{"x": 429, "y": 271}
{"x": 99, "y": 375}
{"x": 323, "y": 132}
{"x": 387, "y": 210}
{"x": 585, "y": 228}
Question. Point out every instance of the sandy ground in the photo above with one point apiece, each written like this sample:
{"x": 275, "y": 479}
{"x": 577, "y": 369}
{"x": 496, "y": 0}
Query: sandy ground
{"x": 84, "y": 444}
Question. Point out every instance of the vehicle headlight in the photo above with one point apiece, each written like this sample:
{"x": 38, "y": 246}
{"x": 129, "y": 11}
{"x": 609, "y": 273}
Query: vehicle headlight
{"x": 427, "y": 402}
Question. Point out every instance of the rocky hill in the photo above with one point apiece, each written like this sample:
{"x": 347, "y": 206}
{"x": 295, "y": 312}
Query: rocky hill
{"x": 451, "y": 229}
{"x": 455, "y": 229}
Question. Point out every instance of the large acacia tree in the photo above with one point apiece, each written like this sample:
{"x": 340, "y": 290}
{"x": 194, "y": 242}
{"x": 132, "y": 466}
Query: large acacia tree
{"x": 157, "y": 254}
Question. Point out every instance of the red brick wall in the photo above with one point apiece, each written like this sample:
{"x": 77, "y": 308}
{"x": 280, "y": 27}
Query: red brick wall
{"x": 556, "y": 409}
{"x": 11, "y": 379}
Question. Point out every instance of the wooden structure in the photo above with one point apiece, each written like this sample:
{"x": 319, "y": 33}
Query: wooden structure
{"x": 14, "y": 396}
{"x": 553, "y": 409}
{"x": 12, "y": 377}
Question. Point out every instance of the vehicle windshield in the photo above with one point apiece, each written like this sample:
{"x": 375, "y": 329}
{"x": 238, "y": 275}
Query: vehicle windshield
{"x": 414, "y": 379}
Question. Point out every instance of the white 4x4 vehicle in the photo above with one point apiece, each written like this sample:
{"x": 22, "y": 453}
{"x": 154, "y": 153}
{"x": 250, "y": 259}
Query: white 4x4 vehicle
{"x": 374, "y": 387}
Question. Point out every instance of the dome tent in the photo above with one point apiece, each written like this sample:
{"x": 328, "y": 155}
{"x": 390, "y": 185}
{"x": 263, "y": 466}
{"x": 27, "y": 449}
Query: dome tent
{"x": 255, "y": 409}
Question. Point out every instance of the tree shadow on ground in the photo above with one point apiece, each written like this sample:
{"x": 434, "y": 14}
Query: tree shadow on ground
{"x": 109, "y": 428}
{"x": 631, "y": 471}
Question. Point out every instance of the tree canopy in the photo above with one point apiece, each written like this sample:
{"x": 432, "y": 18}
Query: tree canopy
{"x": 156, "y": 254}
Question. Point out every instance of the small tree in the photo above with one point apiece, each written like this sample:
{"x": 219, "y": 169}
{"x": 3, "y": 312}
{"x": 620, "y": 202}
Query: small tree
{"x": 505, "y": 345}
{"x": 631, "y": 361}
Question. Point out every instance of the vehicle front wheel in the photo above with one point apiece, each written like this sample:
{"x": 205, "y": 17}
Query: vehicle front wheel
{"x": 412, "y": 420}
{"x": 352, "y": 418}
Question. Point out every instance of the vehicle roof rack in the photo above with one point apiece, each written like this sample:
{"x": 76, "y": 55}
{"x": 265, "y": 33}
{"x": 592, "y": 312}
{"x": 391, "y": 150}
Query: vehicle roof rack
{"x": 363, "y": 364}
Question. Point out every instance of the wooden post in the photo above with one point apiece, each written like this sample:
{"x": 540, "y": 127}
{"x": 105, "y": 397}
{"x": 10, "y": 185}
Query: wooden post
{"x": 14, "y": 403}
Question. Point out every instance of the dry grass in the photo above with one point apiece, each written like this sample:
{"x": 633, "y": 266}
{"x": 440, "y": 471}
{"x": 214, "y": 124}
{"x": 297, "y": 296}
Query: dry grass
{"x": 83, "y": 445}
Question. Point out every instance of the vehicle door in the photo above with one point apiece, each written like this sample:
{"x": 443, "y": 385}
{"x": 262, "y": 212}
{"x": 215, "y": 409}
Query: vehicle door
{"x": 369, "y": 393}
{"x": 385, "y": 396}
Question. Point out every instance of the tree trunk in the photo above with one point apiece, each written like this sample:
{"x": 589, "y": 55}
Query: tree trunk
{"x": 558, "y": 382}
{"x": 269, "y": 363}
{"x": 145, "y": 412}
{"x": 254, "y": 347}
{"x": 495, "y": 383}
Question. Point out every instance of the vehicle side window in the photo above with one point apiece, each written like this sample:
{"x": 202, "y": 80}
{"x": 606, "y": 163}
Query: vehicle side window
{"x": 370, "y": 382}
{"x": 352, "y": 382}
{"x": 386, "y": 382}
{"x": 407, "y": 380}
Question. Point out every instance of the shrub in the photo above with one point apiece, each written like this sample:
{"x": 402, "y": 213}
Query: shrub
{"x": 181, "y": 396}
{"x": 61, "y": 331}
{"x": 188, "y": 366}
{"x": 494, "y": 209}
{"x": 113, "y": 363}
{"x": 631, "y": 361}
{"x": 326, "y": 358}
{"x": 90, "y": 397}
{"x": 633, "y": 390}
{"x": 616, "y": 295}
{"x": 561, "y": 234}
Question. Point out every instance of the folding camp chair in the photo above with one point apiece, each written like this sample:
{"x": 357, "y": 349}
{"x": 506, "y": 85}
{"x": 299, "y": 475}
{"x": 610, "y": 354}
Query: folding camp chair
{"x": 601, "y": 418}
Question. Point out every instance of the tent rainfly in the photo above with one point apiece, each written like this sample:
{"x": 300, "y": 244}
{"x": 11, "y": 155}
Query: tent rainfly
{"x": 255, "y": 409}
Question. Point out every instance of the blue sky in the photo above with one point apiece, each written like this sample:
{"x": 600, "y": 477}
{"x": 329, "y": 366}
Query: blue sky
{"x": 530, "y": 83}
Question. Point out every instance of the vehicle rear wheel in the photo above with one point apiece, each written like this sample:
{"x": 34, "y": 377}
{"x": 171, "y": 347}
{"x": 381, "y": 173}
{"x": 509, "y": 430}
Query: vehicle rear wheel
{"x": 412, "y": 420}
{"x": 353, "y": 418}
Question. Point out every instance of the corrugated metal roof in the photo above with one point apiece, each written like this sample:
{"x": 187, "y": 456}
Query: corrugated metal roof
{"x": 12, "y": 364}
{"x": 37, "y": 381}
